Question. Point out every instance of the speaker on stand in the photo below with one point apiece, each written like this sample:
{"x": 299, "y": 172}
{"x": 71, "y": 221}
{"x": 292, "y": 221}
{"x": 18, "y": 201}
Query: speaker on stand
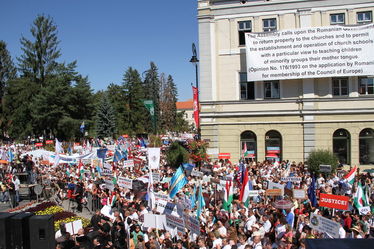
{"x": 42, "y": 232}
{"x": 5, "y": 230}
{"x": 20, "y": 233}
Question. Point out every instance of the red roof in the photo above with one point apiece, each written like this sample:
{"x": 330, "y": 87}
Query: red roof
{"x": 185, "y": 105}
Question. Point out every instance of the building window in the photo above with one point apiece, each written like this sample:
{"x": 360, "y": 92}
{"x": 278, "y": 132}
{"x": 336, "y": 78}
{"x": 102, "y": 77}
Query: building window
{"x": 269, "y": 24}
{"x": 271, "y": 90}
{"x": 341, "y": 140}
{"x": 337, "y": 19}
{"x": 273, "y": 145}
{"x": 247, "y": 89}
{"x": 340, "y": 86}
{"x": 248, "y": 141}
{"x": 244, "y": 27}
{"x": 364, "y": 17}
{"x": 366, "y": 86}
{"x": 366, "y": 141}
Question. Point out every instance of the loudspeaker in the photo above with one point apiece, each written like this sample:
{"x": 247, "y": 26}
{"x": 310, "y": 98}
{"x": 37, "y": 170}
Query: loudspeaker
{"x": 20, "y": 234}
{"x": 5, "y": 230}
{"x": 42, "y": 232}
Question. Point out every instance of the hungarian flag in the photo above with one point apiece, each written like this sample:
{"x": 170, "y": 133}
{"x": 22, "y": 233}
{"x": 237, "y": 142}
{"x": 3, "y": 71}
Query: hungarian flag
{"x": 244, "y": 191}
{"x": 229, "y": 195}
{"x": 245, "y": 150}
{"x": 113, "y": 200}
{"x": 360, "y": 199}
{"x": 350, "y": 177}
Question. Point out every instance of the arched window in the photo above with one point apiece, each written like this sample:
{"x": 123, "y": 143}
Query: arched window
{"x": 341, "y": 143}
{"x": 273, "y": 145}
{"x": 366, "y": 141}
{"x": 248, "y": 141}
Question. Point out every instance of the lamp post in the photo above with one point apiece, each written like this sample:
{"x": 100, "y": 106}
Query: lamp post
{"x": 194, "y": 60}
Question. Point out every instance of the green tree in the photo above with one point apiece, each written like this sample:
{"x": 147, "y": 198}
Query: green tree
{"x": 105, "y": 118}
{"x": 38, "y": 60}
{"x": 117, "y": 97}
{"x": 318, "y": 157}
{"x": 176, "y": 155}
{"x": 7, "y": 72}
{"x": 152, "y": 91}
{"x": 135, "y": 110}
{"x": 168, "y": 106}
{"x": 181, "y": 125}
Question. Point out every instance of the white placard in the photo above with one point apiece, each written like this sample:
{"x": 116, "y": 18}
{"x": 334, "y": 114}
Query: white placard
{"x": 253, "y": 193}
{"x": 107, "y": 211}
{"x": 108, "y": 166}
{"x": 124, "y": 182}
{"x": 154, "y": 158}
{"x": 128, "y": 163}
{"x": 197, "y": 173}
{"x": 156, "y": 177}
{"x": 161, "y": 197}
{"x": 154, "y": 221}
{"x": 291, "y": 179}
{"x": 299, "y": 193}
{"x": 364, "y": 210}
{"x": 315, "y": 52}
{"x": 109, "y": 184}
{"x": 324, "y": 225}
{"x": 164, "y": 207}
{"x": 73, "y": 227}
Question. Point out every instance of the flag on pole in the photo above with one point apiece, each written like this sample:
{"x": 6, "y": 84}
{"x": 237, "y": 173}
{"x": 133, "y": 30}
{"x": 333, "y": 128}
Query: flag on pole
{"x": 359, "y": 198}
{"x": 10, "y": 155}
{"x": 196, "y": 111}
{"x": 245, "y": 150}
{"x": 350, "y": 177}
{"x": 177, "y": 182}
{"x": 244, "y": 191}
{"x": 200, "y": 202}
{"x": 312, "y": 192}
{"x": 228, "y": 195}
{"x": 58, "y": 150}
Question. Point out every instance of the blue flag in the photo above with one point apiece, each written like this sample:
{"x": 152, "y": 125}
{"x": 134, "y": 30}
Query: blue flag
{"x": 177, "y": 182}
{"x": 101, "y": 153}
{"x": 312, "y": 192}
{"x": 10, "y": 155}
{"x": 193, "y": 198}
{"x": 188, "y": 166}
{"x": 81, "y": 128}
{"x": 200, "y": 202}
{"x": 118, "y": 156}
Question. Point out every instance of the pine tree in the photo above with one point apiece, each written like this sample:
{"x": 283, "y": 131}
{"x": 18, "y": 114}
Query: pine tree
{"x": 168, "y": 100}
{"x": 117, "y": 97}
{"x": 7, "y": 72}
{"x": 105, "y": 118}
{"x": 38, "y": 60}
{"x": 135, "y": 110}
{"x": 152, "y": 90}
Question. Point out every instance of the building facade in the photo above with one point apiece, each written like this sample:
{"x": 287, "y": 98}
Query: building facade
{"x": 283, "y": 119}
{"x": 187, "y": 108}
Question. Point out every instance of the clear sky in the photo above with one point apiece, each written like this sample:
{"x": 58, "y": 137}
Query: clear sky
{"x": 108, "y": 36}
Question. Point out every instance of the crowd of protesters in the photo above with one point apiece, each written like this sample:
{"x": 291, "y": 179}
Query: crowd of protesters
{"x": 256, "y": 223}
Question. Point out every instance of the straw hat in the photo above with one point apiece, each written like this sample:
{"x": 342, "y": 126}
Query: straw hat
{"x": 356, "y": 229}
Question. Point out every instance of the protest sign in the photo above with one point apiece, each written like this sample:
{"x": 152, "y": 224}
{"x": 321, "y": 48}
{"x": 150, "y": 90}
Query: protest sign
{"x": 364, "y": 210}
{"x": 273, "y": 192}
{"x": 192, "y": 224}
{"x": 325, "y": 168}
{"x": 106, "y": 172}
{"x": 291, "y": 179}
{"x": 107, "y": 166}
{"x": 173, "y": 221}
{"x": 161, "y": 197}
{"x": 333, "y": 201}
{"x": 107, "y": 211}
{"x": 299, "y": 193}
{"x": 128, "y": 163}
{"x": 324, "y": 225}
{"x": 124, "y": 182}
{"x": 154, "y": 221}
{"x": 154, "y": 158}
{"x": 109, "y": 184}
{"x": 164, "y": 207}
{"x": 197, "y": 173}
{"x": 156, "y": 177}
{"x": 253, "y": 193}
{"x": 274, "y": 185}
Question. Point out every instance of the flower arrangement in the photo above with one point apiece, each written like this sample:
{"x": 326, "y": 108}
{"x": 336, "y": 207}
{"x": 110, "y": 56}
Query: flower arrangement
{"x": 85, "y": 222}
{"x": 20, "y": 208}
{"x": 197, "y": 150}
{"x": 50, "y": 210}
{"x": 41, "y": 206}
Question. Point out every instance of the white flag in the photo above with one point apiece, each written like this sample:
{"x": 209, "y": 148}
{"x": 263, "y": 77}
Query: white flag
{"x": 150, "y": 192}
{"x": 154, "y": 158}
{"x": 58, "y": 150}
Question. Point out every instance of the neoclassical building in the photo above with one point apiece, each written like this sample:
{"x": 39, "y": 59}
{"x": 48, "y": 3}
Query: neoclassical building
{"x": 283, "y": 119}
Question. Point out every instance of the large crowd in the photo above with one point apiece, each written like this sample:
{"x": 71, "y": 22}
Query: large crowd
{"x": 224, "y": 223}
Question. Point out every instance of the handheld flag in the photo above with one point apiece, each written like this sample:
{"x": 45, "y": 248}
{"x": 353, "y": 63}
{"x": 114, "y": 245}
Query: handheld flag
{"x": 312, "y": 192}
{"x": 177, "y": 182}
{"x": 228, "y": 195}
{"x": 360, "y": 197}
{"x": 244, "y": 191}
{"x": 193, "y": 198}
{"x": 350, "y": 177}
{"x": 150, "y": 192}
{"x": 10, "y": 155}
{"x": 81, "y": 128}
{"x": 200, "y": 202}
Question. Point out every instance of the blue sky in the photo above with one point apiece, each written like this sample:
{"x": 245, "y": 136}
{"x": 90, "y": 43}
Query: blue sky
{"x": 106, "y": 37}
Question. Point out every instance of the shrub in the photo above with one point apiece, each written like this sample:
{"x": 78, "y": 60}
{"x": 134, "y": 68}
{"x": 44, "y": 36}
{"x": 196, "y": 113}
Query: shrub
{"x": 318, "y": 157}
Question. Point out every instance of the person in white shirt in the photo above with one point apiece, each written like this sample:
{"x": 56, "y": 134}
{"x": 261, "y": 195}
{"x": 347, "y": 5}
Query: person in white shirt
{"x": 251, "y": 220}
{"x": 222, "y": 229}
{"x": 242, "y": 241}
{"x": 267, "y": 223}
{"x": 16, "y": 183}
{"x": 217, "y": 242}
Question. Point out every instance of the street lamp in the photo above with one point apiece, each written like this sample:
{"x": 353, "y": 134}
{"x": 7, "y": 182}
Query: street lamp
{"x": 194, "y": 60}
